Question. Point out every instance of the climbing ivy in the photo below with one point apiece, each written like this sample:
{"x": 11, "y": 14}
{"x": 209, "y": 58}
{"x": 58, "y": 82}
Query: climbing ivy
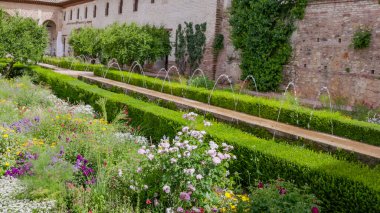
{"x": 180, "y": 49}
{"x": 261, "y": 29}
{"x": 362, "y": 38}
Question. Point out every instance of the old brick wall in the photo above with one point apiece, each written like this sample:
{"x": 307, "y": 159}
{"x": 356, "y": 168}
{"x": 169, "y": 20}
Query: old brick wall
{"x": 322, "y": 55}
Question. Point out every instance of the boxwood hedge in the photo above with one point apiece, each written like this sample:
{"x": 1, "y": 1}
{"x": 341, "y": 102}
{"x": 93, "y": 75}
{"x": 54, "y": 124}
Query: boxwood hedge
{"x": 342, "y": 186}
{"x": 300, "y": 116}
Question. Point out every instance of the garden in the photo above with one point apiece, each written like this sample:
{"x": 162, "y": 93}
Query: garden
{"x": 67, "y": 145}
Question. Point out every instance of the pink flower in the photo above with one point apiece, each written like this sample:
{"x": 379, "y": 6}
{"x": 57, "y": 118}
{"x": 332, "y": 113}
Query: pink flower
{"x": 184, "y": 196}
{"x": 211, "y": 152}
{"x": 148, "y": 202}
{"x": 199, "y": 177}
{"x": 150, "y": 157}
{"x": 173, "y": 160}
{"x": 142, "y": 151}
{"x": 139, "y": 170}
{"x": 216, "y": 160}
{"x": 314, "y": 210}
{"x": 282, "y": 191}
{"x": 191, "y": 187}
{"x": 180, "y": 209}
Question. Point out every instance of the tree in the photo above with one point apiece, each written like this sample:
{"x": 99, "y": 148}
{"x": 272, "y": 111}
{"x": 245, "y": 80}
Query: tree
{"x": 160, "y": 45}
{"x": 22, "y": 39}
{"x": 180, "y": 49}
{"x": 86, "y": 41}
{"x": 126, "y": 43}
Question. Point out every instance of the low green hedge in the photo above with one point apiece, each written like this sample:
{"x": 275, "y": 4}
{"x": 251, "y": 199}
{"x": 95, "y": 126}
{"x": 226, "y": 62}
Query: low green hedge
{"x": 342, "y": 186}
{"x": 321, "y": 120}
{"x": 68, "y": 64}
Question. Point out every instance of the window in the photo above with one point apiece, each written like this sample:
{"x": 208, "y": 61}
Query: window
{"x": 64, "y": 16}
{"x": 71, "y": 14}
{"x": 136, "y": 5}
{"x": 94, "y": 11}
{"x": 152, "y": 1}
{"x": 85, "y": 12}
{"x": 121, "y": 7}
{"x": 107, "y": 8}
{"x": 78, "y": 13}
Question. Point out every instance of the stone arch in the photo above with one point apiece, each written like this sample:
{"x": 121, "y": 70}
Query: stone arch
{"x": 51, "y": 27}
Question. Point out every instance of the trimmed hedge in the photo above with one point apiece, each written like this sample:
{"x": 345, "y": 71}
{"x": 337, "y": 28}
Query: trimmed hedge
{"x": 342, "y": 186}
{"x": 321, "y": 120}
{"x": 68, "y": 64}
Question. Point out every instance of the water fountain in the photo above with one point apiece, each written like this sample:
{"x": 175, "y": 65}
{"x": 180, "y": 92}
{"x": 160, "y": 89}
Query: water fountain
{"x": 179, "y": 78}
{"x": 291, "y": 84}
{"x": 245, "y": 82}
{"x": 231, "y": 87}
{"x": 111, "y": 63}
{"x": 193, "y": 75}
{"x": 323, "y": 89}
{"x": 80, "y": 57}
{"x": 135, "y": 65}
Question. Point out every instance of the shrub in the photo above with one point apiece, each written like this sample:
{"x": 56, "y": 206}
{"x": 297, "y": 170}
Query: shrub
{"x": 261, "y": 30}
{"x": 362, "y": 38}
{"x": 201, "y": 81}
{"x": 340, "y": 185}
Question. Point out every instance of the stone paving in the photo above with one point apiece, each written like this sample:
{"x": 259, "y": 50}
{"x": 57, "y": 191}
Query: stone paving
{"x": 327, "y": 140}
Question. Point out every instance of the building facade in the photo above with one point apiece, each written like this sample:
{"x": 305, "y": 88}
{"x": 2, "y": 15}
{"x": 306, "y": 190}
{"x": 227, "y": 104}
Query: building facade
{"x": 63, "y": 16}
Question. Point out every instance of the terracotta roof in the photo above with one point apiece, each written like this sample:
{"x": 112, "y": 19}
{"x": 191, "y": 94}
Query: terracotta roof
{"x": 60, "y": 3}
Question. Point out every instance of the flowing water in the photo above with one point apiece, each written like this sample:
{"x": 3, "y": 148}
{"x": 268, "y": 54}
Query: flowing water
{"x": 323, "y": 89}
{"x": 246, "y": 80}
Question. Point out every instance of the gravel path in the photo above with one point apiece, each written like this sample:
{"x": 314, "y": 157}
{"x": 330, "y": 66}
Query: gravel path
{"x": 8, "y": 188}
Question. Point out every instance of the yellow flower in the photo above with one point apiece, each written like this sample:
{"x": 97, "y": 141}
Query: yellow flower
{"x": 245, "y": 198}
{"x": 104, "y": 129}
{"x": 57, "y": 117}
{"x": 228, "y": 195}
{"x": 233, "y": 207}
{"x": 5, "y": 136}
{"x": 7, "y": 164}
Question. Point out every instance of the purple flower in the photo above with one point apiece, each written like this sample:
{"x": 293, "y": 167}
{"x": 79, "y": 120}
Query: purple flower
{"x": 216, "y": 160}
{"x": 184, "y": 196}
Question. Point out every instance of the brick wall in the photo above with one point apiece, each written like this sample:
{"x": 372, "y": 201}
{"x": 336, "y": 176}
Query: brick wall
{"x": 322, "y": 54}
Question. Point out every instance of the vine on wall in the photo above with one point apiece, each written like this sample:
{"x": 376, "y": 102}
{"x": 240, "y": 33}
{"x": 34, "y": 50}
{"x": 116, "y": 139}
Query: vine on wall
{"x": 261, "y": 29}
{"x": 190, "y": 45}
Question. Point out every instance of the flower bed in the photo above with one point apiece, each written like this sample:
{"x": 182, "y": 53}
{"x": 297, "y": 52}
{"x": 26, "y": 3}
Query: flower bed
{"x": 340, "y": 185}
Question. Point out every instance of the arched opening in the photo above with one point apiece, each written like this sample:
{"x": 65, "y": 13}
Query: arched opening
{"x": 52, "y": 35}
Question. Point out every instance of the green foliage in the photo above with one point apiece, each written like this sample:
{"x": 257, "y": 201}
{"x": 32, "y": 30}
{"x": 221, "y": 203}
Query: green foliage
{"x": 190, "y": 45}
{"x": 196, "y": 41}
{"x": 218, "y": 44}
{"x": 261, "y": 30}
{"x": 71, "y": 63}
{"x": 201, "y": 81}
{"x": 86, "y": 41}
{"x": 277, "y": 196}
{"x": 23, "y": 39}
{"x": 160, "y": 46}
{"x": 362, "y": 38}
{"x": 180, "y": 49}
{"x": 340, "y": 185}
{"x": 299, "y": 116}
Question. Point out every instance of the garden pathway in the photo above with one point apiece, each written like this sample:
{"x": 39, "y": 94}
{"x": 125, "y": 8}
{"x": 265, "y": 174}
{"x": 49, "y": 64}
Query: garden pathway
{"x": 364, "y": 151}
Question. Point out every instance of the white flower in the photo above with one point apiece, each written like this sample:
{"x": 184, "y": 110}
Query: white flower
{"x": 166, "y": 189}
{"x": 132, "y": 187}
{"x": 191, "y": 187}
{"x": 216, "y": 160}
{"x": 213, "y": 145}
{"x": 185, "y": 129}
{"x": 199, "y": 177}
{"x": 173, "y": 160}
{"x": 139, "y": 170}
{"x": 120, "y": 173}
{"x": 227, "y": 173}
{"x": 150, "y": 157}
{"x": 189, "y": 171}
{"x": 142, "y": 151}
{"x": 206, "y": 123}
{"x": 145, "y": 187}
{"x": 221, "y": 156}
{"x": 186, "y": 154}
{"x": 179, "y": 133}
{"x": 211, "y": 152}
